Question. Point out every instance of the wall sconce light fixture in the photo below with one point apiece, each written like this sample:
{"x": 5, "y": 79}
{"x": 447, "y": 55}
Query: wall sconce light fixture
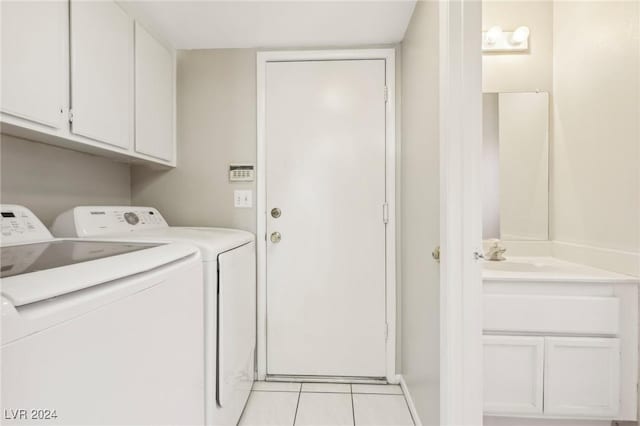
{"x": 496, "y": 40}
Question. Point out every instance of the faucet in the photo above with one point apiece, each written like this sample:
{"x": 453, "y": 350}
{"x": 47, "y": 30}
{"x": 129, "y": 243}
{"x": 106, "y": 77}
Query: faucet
{"x": 495, "y": 251}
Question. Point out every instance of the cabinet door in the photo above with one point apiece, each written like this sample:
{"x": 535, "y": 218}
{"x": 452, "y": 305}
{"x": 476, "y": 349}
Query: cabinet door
{"x": 102, "y": 72}
{"x": 34, "y": 61}
{"x": 513, "y": 372}
{"x": 154, "y": 97}
{"x": 582, "y": 376}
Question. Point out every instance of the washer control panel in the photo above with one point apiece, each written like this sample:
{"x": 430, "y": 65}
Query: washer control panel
{"x": 20, "y": 225}
{"x": 92, "y": 221}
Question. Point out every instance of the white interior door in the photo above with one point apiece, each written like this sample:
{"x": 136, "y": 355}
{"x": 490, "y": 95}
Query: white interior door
{"x": 325, "y": 172}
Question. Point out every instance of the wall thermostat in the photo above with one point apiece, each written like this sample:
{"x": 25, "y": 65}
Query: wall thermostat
{"x": 241, "y": 173}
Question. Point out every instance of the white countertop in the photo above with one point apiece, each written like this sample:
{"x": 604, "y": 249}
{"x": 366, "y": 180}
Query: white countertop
{"x": 549, "y": 269}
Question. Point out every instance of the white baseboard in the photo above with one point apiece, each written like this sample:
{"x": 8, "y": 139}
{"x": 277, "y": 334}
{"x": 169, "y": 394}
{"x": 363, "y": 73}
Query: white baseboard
{"x": 407, "y": 396}
{"x": 622, "y": 262}
{"x": 324, "y": 379}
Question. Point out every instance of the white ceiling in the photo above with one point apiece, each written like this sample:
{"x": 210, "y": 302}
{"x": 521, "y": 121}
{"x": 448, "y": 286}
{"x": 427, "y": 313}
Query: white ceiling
{"x": 303, "y": 23}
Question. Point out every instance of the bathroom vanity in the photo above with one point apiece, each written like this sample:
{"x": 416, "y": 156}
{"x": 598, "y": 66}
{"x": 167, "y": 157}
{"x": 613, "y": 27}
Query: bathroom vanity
{"x": 560, "y": 341}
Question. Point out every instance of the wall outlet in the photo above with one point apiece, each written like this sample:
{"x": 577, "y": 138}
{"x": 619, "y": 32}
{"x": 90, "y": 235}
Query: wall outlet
{"x": 243, "y": 199}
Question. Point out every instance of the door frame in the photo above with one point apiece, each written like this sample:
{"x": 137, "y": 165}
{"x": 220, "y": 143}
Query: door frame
{"x": 388, "y": 55}
{"x": 460, "y": 68}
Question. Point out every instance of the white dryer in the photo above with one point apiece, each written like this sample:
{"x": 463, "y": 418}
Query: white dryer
{"x": 229, "y": 269}
{"x": 98, "y": 332}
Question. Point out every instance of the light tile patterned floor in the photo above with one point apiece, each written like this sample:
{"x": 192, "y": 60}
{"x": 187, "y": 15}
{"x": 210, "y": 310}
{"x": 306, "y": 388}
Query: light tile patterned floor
{"x": 325, "y": 404}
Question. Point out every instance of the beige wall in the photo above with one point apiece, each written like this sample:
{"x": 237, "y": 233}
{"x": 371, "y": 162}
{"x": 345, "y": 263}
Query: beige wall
{"x": 596, "y": 148}
{"x": 216, "y": 106}
{"x": 520, "y": 72}
{"x": 50, "y": 180}
{"x": 420, "y": 211}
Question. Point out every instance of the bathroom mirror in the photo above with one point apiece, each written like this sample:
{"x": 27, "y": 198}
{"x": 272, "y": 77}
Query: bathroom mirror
{"x": 516, "y": 166}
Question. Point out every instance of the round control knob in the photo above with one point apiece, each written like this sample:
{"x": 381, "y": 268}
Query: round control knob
{"x": 131, "y": 218}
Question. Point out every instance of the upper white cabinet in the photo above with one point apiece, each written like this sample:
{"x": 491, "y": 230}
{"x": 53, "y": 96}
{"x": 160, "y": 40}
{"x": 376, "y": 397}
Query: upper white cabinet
{"x": 154, "y": 97}
{"x": 34, "y": 61}
{"x": 70, "y": 74}
{"x": 102, "y": 72}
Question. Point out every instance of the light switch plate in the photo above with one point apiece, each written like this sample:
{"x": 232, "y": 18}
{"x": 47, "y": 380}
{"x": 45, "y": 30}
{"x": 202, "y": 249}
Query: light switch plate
{"x": 243, "y": 199}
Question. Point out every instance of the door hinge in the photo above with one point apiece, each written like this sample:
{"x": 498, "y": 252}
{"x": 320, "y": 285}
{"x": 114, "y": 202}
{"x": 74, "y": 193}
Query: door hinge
{"x": 386, "y": 331}
{"x": 70, "y": 116}
{"x": 385, "y": 213}
{"x": 386, "y": 94}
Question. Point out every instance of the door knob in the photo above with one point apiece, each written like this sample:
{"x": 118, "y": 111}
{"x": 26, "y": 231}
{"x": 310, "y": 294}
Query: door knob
{"x": 275, "y": 237}
{"x": 276, "y": 212}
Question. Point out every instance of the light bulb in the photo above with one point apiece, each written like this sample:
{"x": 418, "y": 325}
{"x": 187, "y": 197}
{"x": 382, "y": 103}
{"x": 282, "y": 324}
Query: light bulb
{"x": 520, "y": 35}
{"x": 494, "y": 34}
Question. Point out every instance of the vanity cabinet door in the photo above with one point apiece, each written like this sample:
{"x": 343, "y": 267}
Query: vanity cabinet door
{"x": 582, "y": 376}
{"x": 513, "y": 374}
{"x": 34, "y": 70}
{"x": 102, "y": 72}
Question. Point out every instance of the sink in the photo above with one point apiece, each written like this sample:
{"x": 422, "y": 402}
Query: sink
{"x": 546, "y": 269}
{"x": 533, "y": 266}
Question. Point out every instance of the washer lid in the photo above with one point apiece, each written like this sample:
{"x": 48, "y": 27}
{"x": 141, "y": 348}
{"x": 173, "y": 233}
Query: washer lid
{"x": 27, "y": 258}
{"x": 39, "y": 271}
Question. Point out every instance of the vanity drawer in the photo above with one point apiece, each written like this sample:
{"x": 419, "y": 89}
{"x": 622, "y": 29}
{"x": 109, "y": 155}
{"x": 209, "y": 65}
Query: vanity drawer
{"x": 551, "y": 314}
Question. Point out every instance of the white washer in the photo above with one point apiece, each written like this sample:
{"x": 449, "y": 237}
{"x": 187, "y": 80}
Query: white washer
{"x": 98, "y": 332}
{"x": 229, "y": 270}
